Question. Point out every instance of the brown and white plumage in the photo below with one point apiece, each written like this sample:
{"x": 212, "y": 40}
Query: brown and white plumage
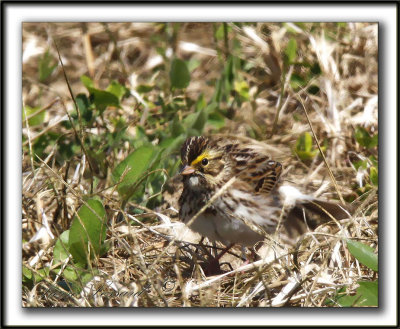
{"x": 255, "y": 196}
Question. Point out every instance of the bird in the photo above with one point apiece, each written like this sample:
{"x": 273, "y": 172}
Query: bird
{"x": 233, "y": 193}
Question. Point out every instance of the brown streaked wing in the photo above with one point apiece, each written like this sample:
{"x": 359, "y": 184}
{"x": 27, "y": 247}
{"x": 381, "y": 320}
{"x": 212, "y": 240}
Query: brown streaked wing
{"x": 259, "y": 171}
{"x": 270, "y": 178}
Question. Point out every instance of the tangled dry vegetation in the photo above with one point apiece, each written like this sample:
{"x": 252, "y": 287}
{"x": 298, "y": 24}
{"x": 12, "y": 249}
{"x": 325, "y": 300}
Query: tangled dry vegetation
{"x": 253, "y": 80}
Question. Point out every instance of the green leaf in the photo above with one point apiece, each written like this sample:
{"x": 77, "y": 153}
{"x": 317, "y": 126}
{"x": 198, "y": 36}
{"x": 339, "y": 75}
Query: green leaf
{"x": 361, "y": 164}
{"x": 200, "y": 121}
{"x": 43, "y": 144}
{"x": 217, "y": 92}
{"x": 176, "y": 127}
{"x": 101, "y": 98}
{"x": 200, "y": 103}
{"x": 30, "y": 278}
{"x": 193, "y": 64}
{"x": 361, "y": 136}
{"x": 229, "y": 73}
{"x": 106, "y": 246}
{"x": 117, "y": 89}
{"x": 133, "y": 167}
{"x": 88, "y": 232}
{"x": 242, "y": 88}
{"x": 291, "y": 50}
{"x": 364, "y": 138}
{"x": 87, "y": 82}
{"x": 363, "y": 253}
{"x": 304, "y": 147}
{"x": 307, "y": 139}
{"x": 27, "y": 273}
{"x": 76, "y": 277}
{"x": 61, "y": 248}
{"x": 71, "y": 273}
{"x": 36, "y": 119}
{"x": 374, "y": 141}
{"x": 84, "y": 106}
{"x": 142, "y": 89}
{"x": 27, "y": 277}
{"x": 219, "y": 33}
{"x": 42, "y": 273}
{"x": 179, "y": 74}
{"x": 313, "y": 89}
{"x": 47, "y": 64}
{"x": 373, "y": 160}
{"x": 297, "y": 81}
{"x": 366, "y": 295}
{"x": 373, "y": 175}
{"x": 212, "y": 107}
{"x": 369, "y": 292}
{"x": 316, "y": 69}
{"x": 171, "y": 144}
{"x": 216, "y": 119}
{"x": 196, "y": 121}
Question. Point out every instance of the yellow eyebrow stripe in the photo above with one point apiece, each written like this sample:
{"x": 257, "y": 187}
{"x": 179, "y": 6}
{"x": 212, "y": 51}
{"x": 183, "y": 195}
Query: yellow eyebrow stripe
{"x": 199, "y": 158}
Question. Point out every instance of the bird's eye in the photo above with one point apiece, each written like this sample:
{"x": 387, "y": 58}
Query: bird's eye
{"x": 204, "y": 162}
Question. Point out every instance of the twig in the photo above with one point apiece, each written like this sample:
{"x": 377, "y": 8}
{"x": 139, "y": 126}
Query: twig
{"x": 322, "y": 153}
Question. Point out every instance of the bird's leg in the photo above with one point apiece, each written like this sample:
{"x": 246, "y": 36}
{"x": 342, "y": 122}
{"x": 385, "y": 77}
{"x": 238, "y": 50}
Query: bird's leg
{"x": 213, "y": 266}
{"x": 252, "y": 256}
{"x": 214, "y": 251}
{"x": 200, "y": 245}
{"x": 204, "y": 248}
{"x": 223, "y": 252}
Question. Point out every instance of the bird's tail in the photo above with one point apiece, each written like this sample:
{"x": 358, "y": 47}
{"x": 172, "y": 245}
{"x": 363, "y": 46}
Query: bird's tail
{"x": 305, "y": 213}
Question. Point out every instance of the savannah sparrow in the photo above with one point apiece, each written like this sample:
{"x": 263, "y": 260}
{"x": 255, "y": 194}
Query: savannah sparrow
{"x": 255, "y": 198}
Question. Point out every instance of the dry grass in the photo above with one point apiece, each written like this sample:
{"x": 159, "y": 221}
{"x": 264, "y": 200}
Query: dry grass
{"x": 153, "y": 260}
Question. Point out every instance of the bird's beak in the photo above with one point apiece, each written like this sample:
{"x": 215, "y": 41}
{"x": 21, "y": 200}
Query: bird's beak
{"x": 187, "y": 170}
